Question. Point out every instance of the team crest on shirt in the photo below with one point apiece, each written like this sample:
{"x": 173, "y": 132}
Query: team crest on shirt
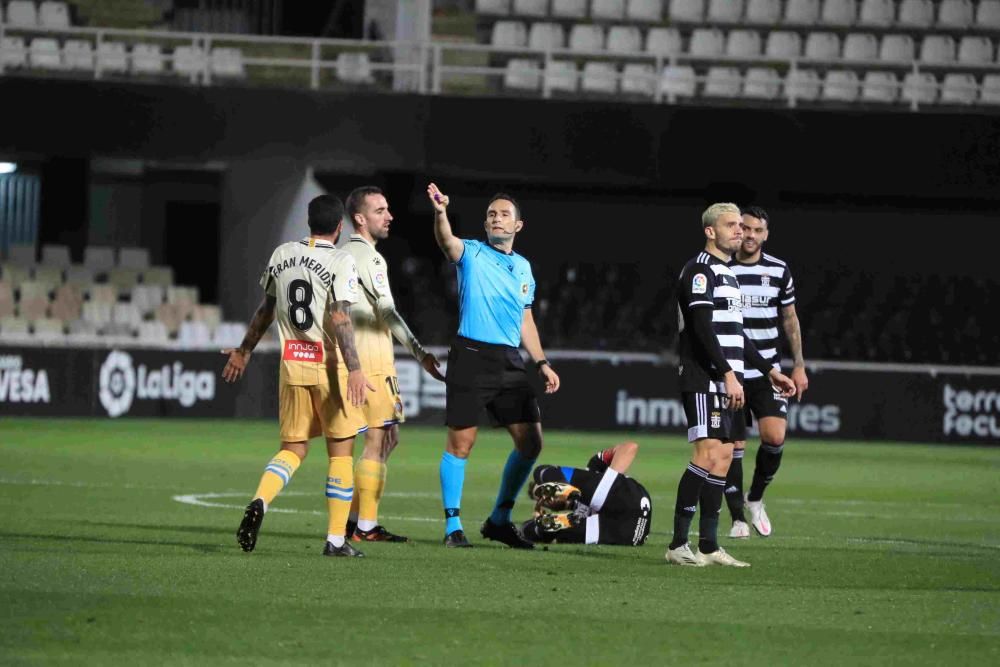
{"x": 716, "y": 419}
{"x": 700, "y": 284}
{"x": 765, "y": 280}
{"x": 380, "y": 278}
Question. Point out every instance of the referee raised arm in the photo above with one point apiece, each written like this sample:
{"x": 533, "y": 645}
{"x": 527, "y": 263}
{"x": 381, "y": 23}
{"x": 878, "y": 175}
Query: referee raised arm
{"x": 485, "y": 370}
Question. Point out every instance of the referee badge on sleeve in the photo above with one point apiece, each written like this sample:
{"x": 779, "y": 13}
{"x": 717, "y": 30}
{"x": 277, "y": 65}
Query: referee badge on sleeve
{"x": 699, "y": 285}
{"x": 524, "y": 288}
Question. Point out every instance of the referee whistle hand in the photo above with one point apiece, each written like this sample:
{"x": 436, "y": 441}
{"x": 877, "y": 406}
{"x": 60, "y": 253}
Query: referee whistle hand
{"x": 551, "y": 379}
{"x": 235, "y": 365}
{"x": 356, "y": 385}
{"x": 439, "y": 200}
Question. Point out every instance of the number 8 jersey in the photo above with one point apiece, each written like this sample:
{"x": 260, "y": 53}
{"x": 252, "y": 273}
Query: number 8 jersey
{"x": 306, "y": 277}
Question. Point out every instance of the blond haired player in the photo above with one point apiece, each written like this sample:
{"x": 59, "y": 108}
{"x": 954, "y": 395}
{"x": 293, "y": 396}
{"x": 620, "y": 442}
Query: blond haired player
{"x": 376, "y": 321}
{"x": 310, "y": 286}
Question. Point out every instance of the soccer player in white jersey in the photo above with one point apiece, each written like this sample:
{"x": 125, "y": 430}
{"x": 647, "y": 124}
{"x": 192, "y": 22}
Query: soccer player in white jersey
{"x": 768, "y": 297}
{"x": 310, "y": 286}
{"x": 376, "y": 321}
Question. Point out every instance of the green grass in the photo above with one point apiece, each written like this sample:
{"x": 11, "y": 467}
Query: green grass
{"x": 881, "y": 554}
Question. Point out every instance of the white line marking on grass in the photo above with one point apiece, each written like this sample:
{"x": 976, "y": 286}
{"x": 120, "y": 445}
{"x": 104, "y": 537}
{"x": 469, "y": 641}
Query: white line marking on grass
{"x": 206, "y": 500}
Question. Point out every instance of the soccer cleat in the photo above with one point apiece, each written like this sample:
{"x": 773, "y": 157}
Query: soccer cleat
{"x": 506, "y": 533}
{"x": 720, "y": 557}
{"x": 551, "y": 523}
{"x": 343, "y": 551}
{"x": 758, "y": 518}
{"x": 456, "y": 539}
{"x": 246, "y": 535}
{"x": 377, "y": 534}
{"x": 683, "y": 555}
{"x": 556, "y": 495}
{"x": 740, "y": 530}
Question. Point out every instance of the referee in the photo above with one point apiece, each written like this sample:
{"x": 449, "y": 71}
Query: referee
{"x": 485, "y": 368}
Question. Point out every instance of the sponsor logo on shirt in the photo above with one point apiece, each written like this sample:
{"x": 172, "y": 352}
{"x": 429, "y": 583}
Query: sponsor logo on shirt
{"x": 302, "y": 350}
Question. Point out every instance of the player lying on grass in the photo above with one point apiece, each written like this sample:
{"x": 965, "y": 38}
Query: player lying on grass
{"x": 596, "y": 505}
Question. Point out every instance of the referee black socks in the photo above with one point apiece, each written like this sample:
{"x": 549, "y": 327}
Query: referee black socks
{"x": 768, "y": 462}
{"x": 688, "y": 492}
{"x": 711, "y": 505}
{"x": 734, "y": 486}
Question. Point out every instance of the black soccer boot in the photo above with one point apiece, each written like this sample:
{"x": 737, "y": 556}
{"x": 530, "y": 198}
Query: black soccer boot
{"x": 377, "y": 534}
{"x": 456, "y": 540}
{"x": 246, "y": 535}
{"x": 506, "y": 533}
{"x": 345, "y": 551}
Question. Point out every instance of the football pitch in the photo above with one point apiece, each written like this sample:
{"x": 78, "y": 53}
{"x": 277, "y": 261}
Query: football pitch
{"x": 117, "y": 546}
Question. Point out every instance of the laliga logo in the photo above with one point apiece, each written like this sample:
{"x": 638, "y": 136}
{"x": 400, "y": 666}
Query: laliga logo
{"x": 117, "y": 383}
{"x": 120, "y": 383}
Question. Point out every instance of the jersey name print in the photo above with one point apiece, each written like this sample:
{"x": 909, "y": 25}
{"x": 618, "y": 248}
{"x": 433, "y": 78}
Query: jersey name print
{"x": 766, "y": 286}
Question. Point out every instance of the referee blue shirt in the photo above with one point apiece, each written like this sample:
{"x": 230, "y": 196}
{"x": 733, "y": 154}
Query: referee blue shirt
{"x": 494, "y": 288}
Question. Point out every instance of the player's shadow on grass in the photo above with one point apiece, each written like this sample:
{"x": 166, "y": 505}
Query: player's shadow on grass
{"x": 204, "y": 548}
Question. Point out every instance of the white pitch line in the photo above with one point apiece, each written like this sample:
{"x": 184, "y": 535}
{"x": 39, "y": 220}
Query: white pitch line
{"x": 199, "y": 499}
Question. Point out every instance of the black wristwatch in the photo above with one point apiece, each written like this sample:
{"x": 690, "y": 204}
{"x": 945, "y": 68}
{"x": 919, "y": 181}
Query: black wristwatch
{"x": 540, "y": 363}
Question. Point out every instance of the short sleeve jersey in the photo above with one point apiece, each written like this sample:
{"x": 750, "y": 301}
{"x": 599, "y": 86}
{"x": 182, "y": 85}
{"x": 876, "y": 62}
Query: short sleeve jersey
{"x": 494, "y": 289}
{"x": 766, "y": 286}
{"x": 371, "y": 332}
{"x": 305, "y": 277}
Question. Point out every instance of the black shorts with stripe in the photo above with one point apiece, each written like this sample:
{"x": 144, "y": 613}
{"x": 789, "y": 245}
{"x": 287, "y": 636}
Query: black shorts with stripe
{"x": 484, "y": 378}
{"x": 708, "y": 418}
{"x": 763, "y": 400}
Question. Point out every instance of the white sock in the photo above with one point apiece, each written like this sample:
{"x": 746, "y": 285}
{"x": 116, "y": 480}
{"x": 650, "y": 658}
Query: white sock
{"x": 335, "y": 540}
{"x": 366, "y": 525}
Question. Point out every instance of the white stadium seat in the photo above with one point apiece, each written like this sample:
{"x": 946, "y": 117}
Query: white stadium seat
{"x": 644, "y": 10}
{"x": 133, "y": 258}
{"x": 783, "y": 44}
{"x": 15, "y": 274}
{"x": 959, "y": 89}
{"x": 937, "y": 49}
{"x": 743, "y": 43}
{"x": 53, "y": 15}
{"x": 147, "y": 59}
{"x": 509, "y": 35}
{"x": 561, "y": 76}
{"x": 860, "y": 47}
{"x": 123, "y": 279}
{"x": 599, "y": 78}
{"x": 194, "y": 335}
{"x": 78, "y": 274}
{"x": 990, "y": 93}
{"x": 34, "y": 289}
{"x": 691, "y": 11}
{"x": 158, "y": 275}
{"x": 126, "y": 314}
{"x": 48, "y": 330}
{"x": 802, "y": 84}
{"x": 880, "y": 87}
{"x": 545, "y": 36}
{"x": 988, "y": 14}
{"x": 181, "y": 294}
{"x": 722, "y": 82}
{"x": 50, "y": 276}
{"x": 607, "y": 10}
{"x": 531, "y": 7}
{"x": 763, "y": 83}
{"x": 663, "y": 41}
{"x": 112, "y": 57}
{"x": 955, "y": 13}
{"x": 624, "y": 39}
{"x": 638, "y": 79}
{"x": 493, "y": 7}
{"x": 678, "y": 81}
{"x": 101, "y": 293}
{"x": 21, "y": 254}
{"x": 915, "y": 13}
{"x": 764, "y": 12}
{"x": 725, "y": 11}
{"x": 147, "y": 298}
{"x": 209, "y": 314}
{"x": 586, "y": 37}
{"x": 78, "y": 54}
{"x": 228, "y": 334}
{"x": 569, "y": 9}
{"x": 227, "y": 62}
{"x": 920, "y": 87}
{"x": 877, "y": 13}
{"x": 13, "y": 52}
{"x": 14, "y": 328}
{"x": 55, "y": 255}
{"x": 44, "y": 53}
{"x": 99, "y": 258}
{"x": 707, "y": 43}
{"x": 189, "y": 60}
{"x": 98, "y": 314}
{"x": 838, "y": 12}
{"x": 802, "y": 12}
{"x": 521, "y": 74}
{"x": 153, "y": 333}
{"x": 897, "y": 49}
{"x": 975, "y": 50}
{"x": 354, "y": 67}
{"x": 841, "y": 86}
{"x": 822, "y": 46}
{"x": 22, "y": 14}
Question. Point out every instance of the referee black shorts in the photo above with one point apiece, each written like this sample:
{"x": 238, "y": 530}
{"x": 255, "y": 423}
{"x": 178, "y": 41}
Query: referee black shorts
{"x": 763, "y": 400}
{"x": 488, "y": 378}
{"x": 707, "y": 418}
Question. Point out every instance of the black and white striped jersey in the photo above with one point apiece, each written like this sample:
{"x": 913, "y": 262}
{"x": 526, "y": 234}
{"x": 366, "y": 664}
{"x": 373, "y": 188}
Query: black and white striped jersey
{"x": 708, "y": 282}
{"x": 766, "y": 286}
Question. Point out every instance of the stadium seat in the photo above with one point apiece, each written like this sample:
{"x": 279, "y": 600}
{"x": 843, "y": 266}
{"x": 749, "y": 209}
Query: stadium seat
{"x": 743, "y": 44}
{"x": 15, "y": 274}
{"x": 877, "y": 13}
{"x": 988, "y": 14}
{"x": 210, "y": 314}
{"x": 6, "y": 300}
{"x": 126, "y": 314}
{"x": 228, "y": 334}
{"x": 959, "y": 89}
{"x": 722, "y": 82}
{"x": 569, "y": 9}
{"x": 509, "y": 35}
{"x": 133, "y": 258}
{"x": 158, "y": 275}
{"x": 802, "y": 84}
{"x": 14, "y": 328}
{"x": 763, "y": 83}
{"x": 79, "y": 274}
{"x": 764, "y": 12}
{"x": 937, "y": 49}
{"x": 54, "y": 15}
{"x": 171, "y": 316}
{"x": 69, "y": 292}
{"x": 897, "y": 49}
{"x": 13, "y": 52}
{"x": 990, "y": 93}
{"x": 521, "y": 74}
{"x": 194, "y": 335}
{"x": 44, "y": 53}
{"x": 78, "y": 54}
{"x": 915, "y": 13}
{"x": 725, "y": 11}
{"x": 182, "y": 294}
{"x": 975, "y": 50}
{"x": 822, "y": 46}
{"x": 860, "y": 47}
{"x": 663, "y": 41}
{"x": 55, "y": 255}
{"x": 33, "y": 307}
{"x": 65, "y": 309}
{"x": 354, "y": 67}
{"x": 97, "y": 314}
{"x": 840, "y": 85}
{"x": 99, "y": 258}
{"x": 531, "y": 7}
{"x": 678, "y": 81}
{"x": 50, "y": 276}
{"x": 123, "y": 279}
{"x": 112, "y": 57}
{"x": 802, "y": 12}
{"x": 920, "y": 87}
{"x": 644, "y": 10}
{"x": 34, "y": 289}
{"x": 561, "y": 76}
{"x": 838, "y": 12}
{"x": 147, "y": 59}
{"x": 599, "y": 78}
{"x": 707, "y": 43}
{"x": 101, "y": 293}
{"x": 955, "y": 13}
{"x": 147, "y": 298}
{"x": 624, "y": 39}
{"x": 228, "y": 63}
{"x": 22, "y": 14}
{"x": 153, "y": 333}
{"x": 48, "y": 329}
{"x": 545, "y": 36}
{"x": 689, "y": 11}
{"x": 586, "y": 37}
{"x": 638, "y": 79}
{"x": 493, "y": 7}
{"x": 607, "y": 10}
{"x": 22, "y": 255}
{"x": 783, "y": 44}
{"x": 188, "y": 60}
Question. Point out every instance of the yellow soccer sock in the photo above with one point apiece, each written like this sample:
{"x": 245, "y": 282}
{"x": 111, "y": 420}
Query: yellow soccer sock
{"x": 276, "y": 475}
{"x": 367, "y": 478}
{"x": 339, "y": 491}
